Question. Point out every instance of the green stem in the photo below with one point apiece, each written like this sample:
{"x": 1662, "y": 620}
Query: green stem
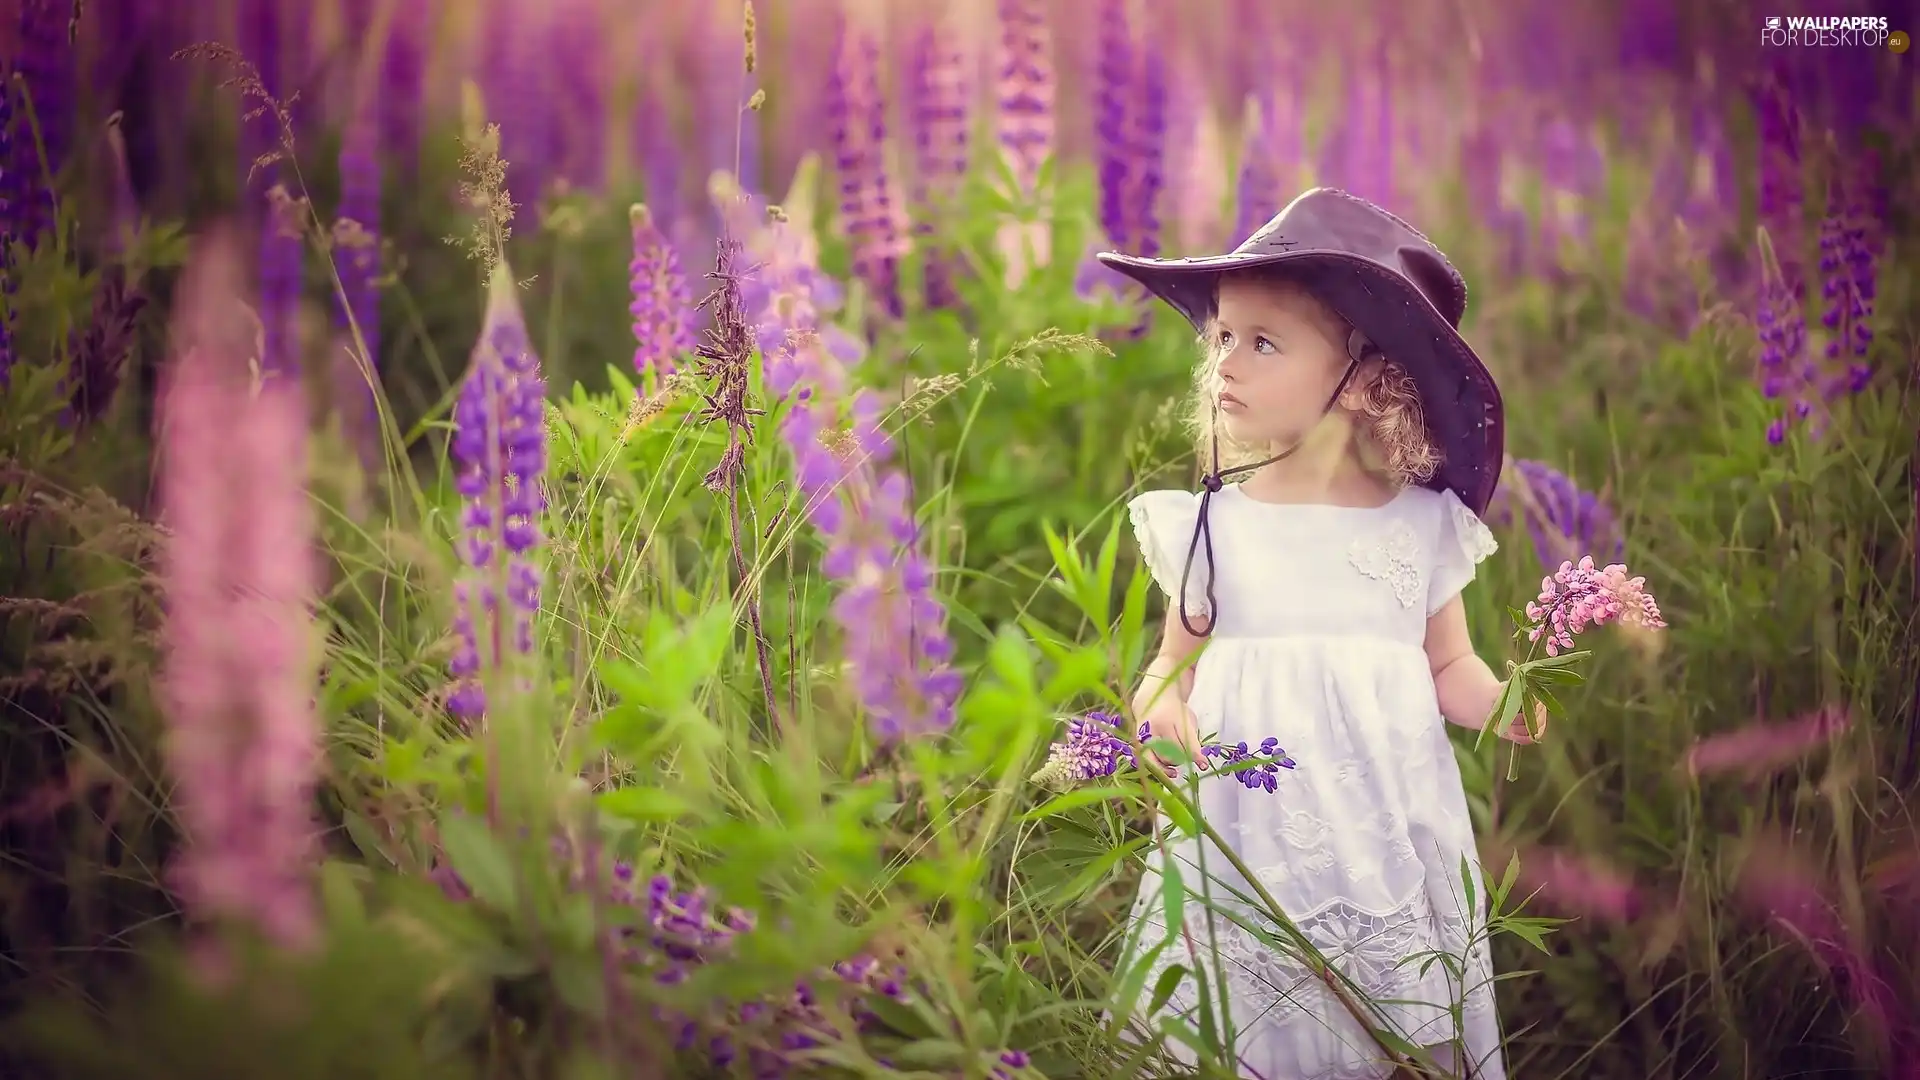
{"x": 1316, "y": 962}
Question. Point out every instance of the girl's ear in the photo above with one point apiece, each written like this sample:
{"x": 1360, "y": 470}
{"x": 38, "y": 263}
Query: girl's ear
{"x": 1355, "y": 393}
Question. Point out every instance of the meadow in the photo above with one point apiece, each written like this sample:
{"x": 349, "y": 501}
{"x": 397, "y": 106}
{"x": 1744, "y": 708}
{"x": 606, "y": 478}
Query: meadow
{"x": 567, "y": 541}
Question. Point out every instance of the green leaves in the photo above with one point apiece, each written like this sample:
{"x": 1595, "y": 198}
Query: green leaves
{"x": 484, "y": 865}
{"x": 659, "y": 696}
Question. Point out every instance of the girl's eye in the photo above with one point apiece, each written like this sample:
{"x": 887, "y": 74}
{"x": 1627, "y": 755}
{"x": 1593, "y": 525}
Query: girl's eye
{"x": 1262, "y": 345}
{"x": 1226, "y": 340}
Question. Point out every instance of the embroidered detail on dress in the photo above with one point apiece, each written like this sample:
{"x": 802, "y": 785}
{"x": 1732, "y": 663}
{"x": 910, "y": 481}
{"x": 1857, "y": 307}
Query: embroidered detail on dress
{"x": 1475, "y": 538}
{"x": 1384, "y": 952}
{"x": 1392, "y": 559}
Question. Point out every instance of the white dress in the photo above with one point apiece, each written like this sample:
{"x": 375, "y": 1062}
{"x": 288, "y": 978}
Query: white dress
{"x": 1320, "y": 644}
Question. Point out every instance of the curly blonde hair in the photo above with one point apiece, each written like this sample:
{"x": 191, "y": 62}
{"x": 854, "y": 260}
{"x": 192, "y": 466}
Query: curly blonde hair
{"x": 1392, "y": 421}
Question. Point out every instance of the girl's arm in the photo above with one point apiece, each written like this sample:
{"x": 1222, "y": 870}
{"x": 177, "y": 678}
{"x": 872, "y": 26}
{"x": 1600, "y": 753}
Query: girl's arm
{"x": 1463, "y": 682}
{"x": 1161, "y": 699}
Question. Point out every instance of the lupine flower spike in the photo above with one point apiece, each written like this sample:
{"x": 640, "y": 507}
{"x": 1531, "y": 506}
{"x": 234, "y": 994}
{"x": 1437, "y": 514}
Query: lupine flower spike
{"x": 499, "y": 450}
{"x": 1785, "y": 369}
{"x": 237, "y": 675}
{"x": 1563, "y": 520}
{"x": 1025, "y": 125}
{"x": 893, "y": 626}
{"x": 941, "y": 95}
{"x": 1847, "y": 272}
{"x": 871, "y": 214}
{"x": 1577, "y": 597}
{"x": 662, "y": 306}
{"x": 675, "y": 933}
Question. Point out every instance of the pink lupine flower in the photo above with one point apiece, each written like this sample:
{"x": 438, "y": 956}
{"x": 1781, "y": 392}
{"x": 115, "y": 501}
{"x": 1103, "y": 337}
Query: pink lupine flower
{"x": 1579, "y": 884}
{"x": 662, "y": 307}
{"x": 870, "y": 209}
{"x": 1199, "y": 166}
{"x": 1027, "y": 89}
{"x": 237, "y": 673}
{"x": 1577, "y": 597}
{"x": 941, "y": 95}
{"x": 1757, "y": 749}
{"x": 1781, "y": 886}
{"x": 1026, "y": 126}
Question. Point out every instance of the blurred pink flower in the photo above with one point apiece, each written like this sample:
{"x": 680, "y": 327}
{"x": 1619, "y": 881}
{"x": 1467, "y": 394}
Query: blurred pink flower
{"x": 1579, "y": 884}
{"x": 237, "y": 671}
{"x": 1783, "y": 886}
{"x": 1577, "y": 597}
{"x": 1760, "y": 748}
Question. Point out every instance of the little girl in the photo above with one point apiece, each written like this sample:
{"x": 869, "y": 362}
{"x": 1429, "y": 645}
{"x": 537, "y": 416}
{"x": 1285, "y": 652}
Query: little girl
{"x": 1326, "y": 590}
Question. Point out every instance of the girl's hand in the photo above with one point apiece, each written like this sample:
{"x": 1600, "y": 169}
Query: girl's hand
{"x": 1174, "y": 720}
{"x": 1517, "y": 731}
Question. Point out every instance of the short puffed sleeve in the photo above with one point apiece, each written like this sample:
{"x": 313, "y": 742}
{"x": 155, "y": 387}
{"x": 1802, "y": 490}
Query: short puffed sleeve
{"x": 1163, "y": 524}
{"x": 1462, "y": 544}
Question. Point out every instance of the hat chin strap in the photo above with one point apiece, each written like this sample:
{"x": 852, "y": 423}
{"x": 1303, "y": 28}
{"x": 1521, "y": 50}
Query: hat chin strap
{"x": 1358, "y": 349}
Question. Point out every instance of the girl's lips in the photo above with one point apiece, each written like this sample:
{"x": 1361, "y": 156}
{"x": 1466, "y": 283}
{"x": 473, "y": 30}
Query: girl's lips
{"x": 1228, "y": 401}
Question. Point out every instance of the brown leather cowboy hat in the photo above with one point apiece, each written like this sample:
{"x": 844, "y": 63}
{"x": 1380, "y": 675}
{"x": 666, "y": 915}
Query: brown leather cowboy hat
{"x": 1395, "y": 287}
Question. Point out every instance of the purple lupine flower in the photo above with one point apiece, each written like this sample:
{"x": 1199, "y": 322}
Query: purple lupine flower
{"x": 1148, "y": 144}
{"x": 1131, "y": 129}
{"x": 940, "y": 117}
{"x": 1112, "y": 126}
{"x": 869, "y": 210}
{"x": 356, "y": 236}
{"x": 1847, "y": 271}
{"x": 403, "y": 79}
{"x": 237, "y": 565}
{"x": 1563, "y": 521}
{"x": 1263, "y": 155}
{"x": 261, "y": 44}
{"x": 580, "y": 101}
{"x": 514, "y": 83}
{"x": 1785, "y": 369}
{"x": 9, "y": 225}
{"x": 1094, "y": 747}
{"x": 47, "y": 73}
{"x": 1025, "y": 125}
{"x": 1255, "y": 770}
{"x": 1358, "y": 153}
{"x": 1115, "y": 74}
{"x": 673, "y": 933}
{"x": 499, "y": 449}
{"x": 662, "y": 307}
{"x": 282, "y": 269}
{"x": 1011, "y": 1062}
{"x": 893, "y": 628}
{"x": 784, "y": 291}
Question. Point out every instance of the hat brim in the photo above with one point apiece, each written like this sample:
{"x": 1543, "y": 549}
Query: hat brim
{"x": 1461, "y": 402}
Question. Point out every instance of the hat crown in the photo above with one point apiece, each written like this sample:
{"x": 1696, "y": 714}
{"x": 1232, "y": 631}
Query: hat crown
{"x": 1330, "y": 220}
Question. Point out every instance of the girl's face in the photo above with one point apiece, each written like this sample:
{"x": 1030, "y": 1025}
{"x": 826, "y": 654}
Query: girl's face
{"x": 1277, "y": 354}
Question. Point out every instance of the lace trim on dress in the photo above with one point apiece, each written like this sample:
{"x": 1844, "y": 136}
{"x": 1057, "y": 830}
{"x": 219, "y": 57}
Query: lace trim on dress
{"x": 1475, "y": 538}
{"x": 1160, "y": 563}
{"x": 1393, "y": 558}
